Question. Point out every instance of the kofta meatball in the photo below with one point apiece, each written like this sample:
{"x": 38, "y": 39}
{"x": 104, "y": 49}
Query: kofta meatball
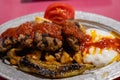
{"x": 47, "y": 43}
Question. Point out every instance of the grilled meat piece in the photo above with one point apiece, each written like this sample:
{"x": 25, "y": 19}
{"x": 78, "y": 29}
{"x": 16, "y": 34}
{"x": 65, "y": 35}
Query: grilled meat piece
{"x": 47, "y": 43}
{"x": 40, "y": 41}
{"x": 7, "y": 43}
{"x": 52, "y": 71}
{"x": 74, "y": 43}
{"x": 71, "y": 29}
{"x": 72, "y": 34}
{"x": 25, "y": 40}
{"x": 26, "y": 36}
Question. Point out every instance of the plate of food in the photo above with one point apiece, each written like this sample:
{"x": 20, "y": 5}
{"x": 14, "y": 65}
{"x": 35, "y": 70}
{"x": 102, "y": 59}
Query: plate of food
{"x": 60, "y": 43}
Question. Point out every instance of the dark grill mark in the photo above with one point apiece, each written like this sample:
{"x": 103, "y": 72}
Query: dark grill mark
{"x": 70, "y": 67}
{"x": 44, "y": 41}
{"x": 45, "y": 35}
{"x": 59, "y": 71}
{"x": 54, "y": 40}
{"x": 24, "y": 62}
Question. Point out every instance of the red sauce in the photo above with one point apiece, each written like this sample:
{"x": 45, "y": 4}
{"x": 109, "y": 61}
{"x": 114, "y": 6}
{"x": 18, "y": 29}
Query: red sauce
{"x": 72, "y": 30}
{"x": 103, "y": 43}
{"x": 49, "y": 28}
{"x": 29, "y": 28}
{"x": 10, "y": 32}
{"x": 25, "y": 28}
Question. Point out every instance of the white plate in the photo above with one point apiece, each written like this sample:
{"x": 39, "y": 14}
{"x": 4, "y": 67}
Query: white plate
{"x": 107, "y": 73}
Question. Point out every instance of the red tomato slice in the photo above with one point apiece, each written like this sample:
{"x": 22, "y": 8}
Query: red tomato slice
{"x": 58, "y": 12}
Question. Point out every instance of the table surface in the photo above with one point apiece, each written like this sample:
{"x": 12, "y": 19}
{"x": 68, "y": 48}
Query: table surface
{"x": 11, "y": 9}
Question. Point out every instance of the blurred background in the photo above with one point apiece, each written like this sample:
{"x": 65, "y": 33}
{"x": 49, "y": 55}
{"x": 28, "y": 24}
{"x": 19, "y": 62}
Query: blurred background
{"x": 11, "y": 9}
